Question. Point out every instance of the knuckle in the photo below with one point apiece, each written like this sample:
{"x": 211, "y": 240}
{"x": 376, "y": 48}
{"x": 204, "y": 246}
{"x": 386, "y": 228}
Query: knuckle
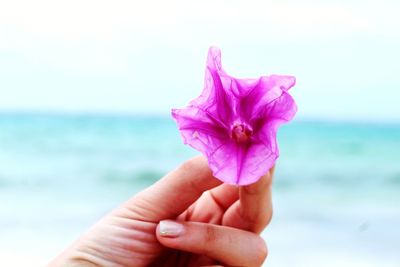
{"x": 266, "y": 219}
{"x": 210, "y": 236}
{"x": 256, "y": 222}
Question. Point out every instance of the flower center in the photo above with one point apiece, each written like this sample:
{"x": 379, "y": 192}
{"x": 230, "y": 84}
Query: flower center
{"x": 241, "y": 133}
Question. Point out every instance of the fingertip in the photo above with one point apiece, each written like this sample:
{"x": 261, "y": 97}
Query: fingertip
{"x": 272, "y": 172}
{"x": 262, "y": 251}
{"x": 198, "y": 162}
{"x": 204, "y": 178}
{"x": 262, "y": 184}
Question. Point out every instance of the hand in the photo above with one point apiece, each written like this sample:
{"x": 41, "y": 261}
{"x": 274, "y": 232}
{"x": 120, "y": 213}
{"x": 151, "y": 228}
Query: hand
{"x": 188, "y": 218}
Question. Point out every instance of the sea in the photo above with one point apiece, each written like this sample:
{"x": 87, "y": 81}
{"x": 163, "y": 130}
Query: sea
{"x": 336, "y": 190}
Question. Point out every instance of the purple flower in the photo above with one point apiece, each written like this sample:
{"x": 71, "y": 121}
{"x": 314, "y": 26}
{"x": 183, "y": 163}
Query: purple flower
{"x": 234, "y": 121}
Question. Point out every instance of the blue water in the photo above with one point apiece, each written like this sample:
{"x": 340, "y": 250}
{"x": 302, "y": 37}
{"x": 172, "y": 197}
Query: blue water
{"x": 336, "y": 191}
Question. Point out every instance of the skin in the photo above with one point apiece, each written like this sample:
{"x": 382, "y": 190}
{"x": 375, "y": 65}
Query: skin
{"x": 221, "y": 224}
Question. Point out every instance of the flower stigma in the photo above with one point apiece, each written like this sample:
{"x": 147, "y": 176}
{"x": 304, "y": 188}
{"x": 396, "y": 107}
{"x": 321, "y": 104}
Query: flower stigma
{"x": 241, "y": 133}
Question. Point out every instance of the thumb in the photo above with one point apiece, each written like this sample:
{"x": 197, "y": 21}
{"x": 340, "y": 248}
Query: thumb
{"x": 227, "y": 245}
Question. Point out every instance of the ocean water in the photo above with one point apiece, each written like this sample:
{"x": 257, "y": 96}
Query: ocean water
{"x": 336, "y": 189}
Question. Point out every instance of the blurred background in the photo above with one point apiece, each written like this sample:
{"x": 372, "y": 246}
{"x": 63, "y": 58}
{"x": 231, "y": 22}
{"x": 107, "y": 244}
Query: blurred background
{"x": 86, "y": 89}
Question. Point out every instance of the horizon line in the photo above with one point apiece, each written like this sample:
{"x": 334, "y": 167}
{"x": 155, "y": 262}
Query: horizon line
{"x": 162, "y": 115}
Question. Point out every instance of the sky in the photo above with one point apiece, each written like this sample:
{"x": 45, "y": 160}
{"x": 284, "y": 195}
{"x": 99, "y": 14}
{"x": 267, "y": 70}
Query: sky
{"x": 149, "y": 56}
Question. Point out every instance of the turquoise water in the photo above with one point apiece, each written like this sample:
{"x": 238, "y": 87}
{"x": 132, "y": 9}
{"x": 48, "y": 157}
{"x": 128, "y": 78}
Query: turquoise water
{"x": 336, "y": 191}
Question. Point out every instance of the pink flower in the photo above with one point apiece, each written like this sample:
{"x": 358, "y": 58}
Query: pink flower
{"x": 234, "y": 121}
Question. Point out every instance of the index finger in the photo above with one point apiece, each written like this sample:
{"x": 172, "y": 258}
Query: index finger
{"x": 175, "y": 192}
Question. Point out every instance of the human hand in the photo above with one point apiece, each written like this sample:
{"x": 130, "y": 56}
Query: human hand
{"x": 188, "y": 218}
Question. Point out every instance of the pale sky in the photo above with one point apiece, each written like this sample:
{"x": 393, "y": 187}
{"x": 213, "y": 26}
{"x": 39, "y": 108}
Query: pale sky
{"x": 149, "y": 56}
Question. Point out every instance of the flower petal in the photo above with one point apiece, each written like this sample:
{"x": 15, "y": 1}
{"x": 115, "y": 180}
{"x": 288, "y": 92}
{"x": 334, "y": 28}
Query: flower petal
{"x": 270, "y": 118}
{"x": 267, "y": 90}
{"x": 241, "y": 164}
{"x": 215, "y": 98}
{"x": 199, "y": 130}
{"x": 284, "y": 82}
{"x": 281, "y": 109}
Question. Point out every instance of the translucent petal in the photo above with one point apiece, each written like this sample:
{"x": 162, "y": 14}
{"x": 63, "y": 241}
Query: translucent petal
{"x": 199, "y": 130}
{"x": 241, "y": 164}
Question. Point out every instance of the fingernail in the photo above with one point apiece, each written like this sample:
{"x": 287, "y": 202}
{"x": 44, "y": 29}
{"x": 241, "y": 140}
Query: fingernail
{"x": 170, "y": 228}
